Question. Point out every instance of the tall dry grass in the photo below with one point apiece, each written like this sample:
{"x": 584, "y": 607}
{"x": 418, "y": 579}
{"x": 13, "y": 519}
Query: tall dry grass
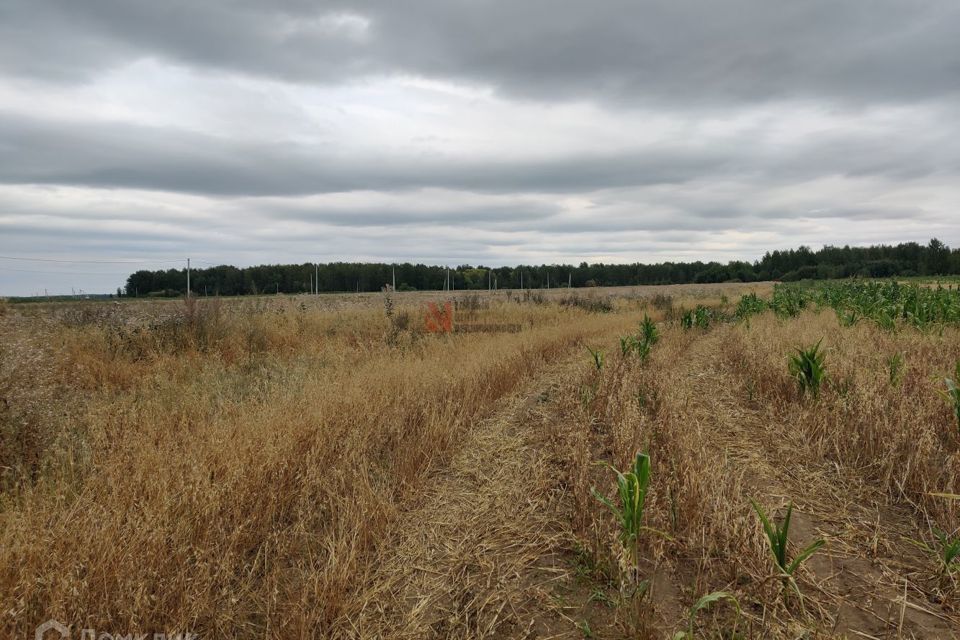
{"x": 232, "y": 472}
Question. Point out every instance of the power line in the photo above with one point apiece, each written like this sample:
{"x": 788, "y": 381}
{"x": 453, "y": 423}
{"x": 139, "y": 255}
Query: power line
{"x": 67, "y": 273}
{"x": 146, "y": 261}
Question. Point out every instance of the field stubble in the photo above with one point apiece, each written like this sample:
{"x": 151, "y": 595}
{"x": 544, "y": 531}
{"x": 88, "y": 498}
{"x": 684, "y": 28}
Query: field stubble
{"x": 271, "y": 469}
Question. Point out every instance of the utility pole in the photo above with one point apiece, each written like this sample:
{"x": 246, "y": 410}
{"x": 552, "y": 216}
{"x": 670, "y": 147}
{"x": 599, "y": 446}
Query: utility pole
{"x": 521, "y": 279}
{"x": 316, "y": 279}
{"x": 393, "y": 270}
{"x": 569, "y": 280}
{"x": 188, "y": 277}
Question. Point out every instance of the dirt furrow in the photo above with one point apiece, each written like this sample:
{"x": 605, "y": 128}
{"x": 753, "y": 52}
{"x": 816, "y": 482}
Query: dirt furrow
{"x": 475, "y": 557}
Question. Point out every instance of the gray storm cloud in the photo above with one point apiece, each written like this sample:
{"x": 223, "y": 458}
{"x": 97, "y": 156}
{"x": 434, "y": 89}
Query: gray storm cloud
{"x": 256, "y": 131}
{"x": 668, "y": 50}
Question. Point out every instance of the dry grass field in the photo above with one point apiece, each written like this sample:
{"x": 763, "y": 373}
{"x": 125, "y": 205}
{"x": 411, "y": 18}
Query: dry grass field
{"x": 301, "y": 467}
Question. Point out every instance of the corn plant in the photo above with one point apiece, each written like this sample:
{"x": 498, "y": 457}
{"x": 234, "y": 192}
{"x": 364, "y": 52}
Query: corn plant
{"x": 750, "y": 304}
{"x": 888, "y": 304}
{"x": 643, "y": 350}
{"x": 787, "y": 301}
{"x": 946, "y": 549}
{"x": 642, "y": 343}
{"x": 952, "y": 393}
{"x": 807, "y": 366}
{"x": 700, "y": 318}
{"x": 597, "y": 358}
{"x": 777, "y": 537}
{"x": 848, "y": 318}
{"x": 632, "y": 486}
{"x": 895, "y": 369}
{"x": 648, "y": 331}
{"x": 704, "y": 603}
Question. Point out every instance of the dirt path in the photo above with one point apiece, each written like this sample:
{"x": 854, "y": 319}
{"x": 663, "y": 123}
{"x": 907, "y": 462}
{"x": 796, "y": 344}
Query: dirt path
{"x": 474, "y": 558}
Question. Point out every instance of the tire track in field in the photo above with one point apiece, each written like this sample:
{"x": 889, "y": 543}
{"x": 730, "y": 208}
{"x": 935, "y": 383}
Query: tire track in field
{"x": 476, "y": 557}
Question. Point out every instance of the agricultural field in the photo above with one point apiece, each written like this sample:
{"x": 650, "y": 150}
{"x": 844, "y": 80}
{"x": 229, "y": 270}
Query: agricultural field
{"x": 690, "y": 461}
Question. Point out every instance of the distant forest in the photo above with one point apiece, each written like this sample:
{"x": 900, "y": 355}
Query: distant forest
{"x": 908, "y": 259}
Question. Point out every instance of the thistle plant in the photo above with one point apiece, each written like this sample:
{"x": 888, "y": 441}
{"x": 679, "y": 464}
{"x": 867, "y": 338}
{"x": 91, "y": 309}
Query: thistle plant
{"x": 807, "y": 366}
{"x": 632, "y": 486}
{"x": 777, "y": 538}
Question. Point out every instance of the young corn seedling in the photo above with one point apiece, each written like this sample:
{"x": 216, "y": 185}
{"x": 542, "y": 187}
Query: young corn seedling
{"x": 949, "y": 552}
{"x": 597, "y": 358}
{"x": 807, "y": 366}
{"x": 643, "y": 350}
{"x": 777, "y": 537}
{"x": 648, "y": 331}
{"x": 704, "y": 603}
{"x": 632, "y": 486}
{"x": 946, "y": 550}
{"x": 627, "y": 344}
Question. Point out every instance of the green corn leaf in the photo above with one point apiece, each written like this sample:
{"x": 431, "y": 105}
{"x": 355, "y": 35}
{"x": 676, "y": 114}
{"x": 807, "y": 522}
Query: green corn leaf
{"x": 605, "y": 500}
{"x": 806, "y": 553}
{"x": 783, "y": 530}
{"x": 767, "y": 528}
{"x": 710, "y": 598}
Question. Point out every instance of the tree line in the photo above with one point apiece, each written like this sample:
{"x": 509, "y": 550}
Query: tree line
{"x": 881, "y": 261}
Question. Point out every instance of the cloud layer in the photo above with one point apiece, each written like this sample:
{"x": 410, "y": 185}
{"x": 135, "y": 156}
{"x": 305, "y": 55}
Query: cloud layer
{"x": 451, "y": 132}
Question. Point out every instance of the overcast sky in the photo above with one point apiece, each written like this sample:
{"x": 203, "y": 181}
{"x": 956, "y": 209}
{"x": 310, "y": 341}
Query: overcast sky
{"x": 138, "y": 132}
